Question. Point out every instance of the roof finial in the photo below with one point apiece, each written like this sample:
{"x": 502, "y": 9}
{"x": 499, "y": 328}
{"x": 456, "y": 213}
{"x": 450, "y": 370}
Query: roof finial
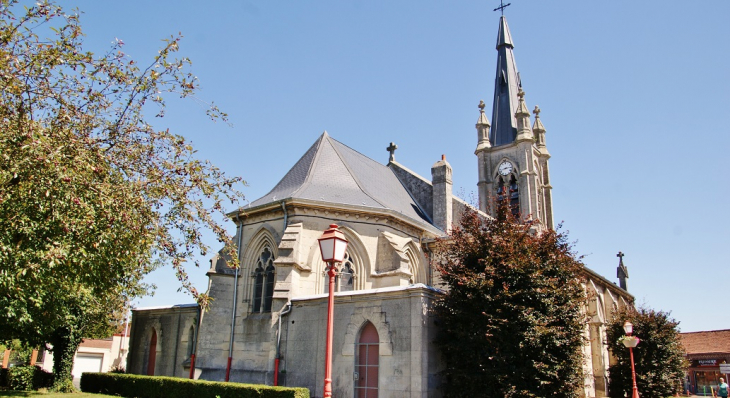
{"x": 483, "y": 121}
{"x": 502, "y": 6}
{"x": 622, "y": 272}
{"x": 392, "y": 149}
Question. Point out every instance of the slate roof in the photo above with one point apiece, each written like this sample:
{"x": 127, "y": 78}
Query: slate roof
{"x": 716, "y": 341}
{"x": 506, "y": 86}
{"x": 332, "y": 172}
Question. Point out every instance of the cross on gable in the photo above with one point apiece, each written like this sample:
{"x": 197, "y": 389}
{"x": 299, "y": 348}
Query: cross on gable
{"x": 620, "y": 256}
{"x": 392, "y": 149}
{"x": 502, "y": 6}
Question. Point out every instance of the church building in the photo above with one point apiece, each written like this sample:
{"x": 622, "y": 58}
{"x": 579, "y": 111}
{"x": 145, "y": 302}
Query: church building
{"x": 267, "y": 322}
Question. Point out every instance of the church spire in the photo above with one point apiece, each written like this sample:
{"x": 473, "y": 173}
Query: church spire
{"x": 506, "y": 86}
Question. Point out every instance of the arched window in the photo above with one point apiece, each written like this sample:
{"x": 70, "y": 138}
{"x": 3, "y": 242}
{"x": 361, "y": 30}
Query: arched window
{"x": 264, "y": 277}
{"x": 152, "y": 354}
{"x": 414, "y": 266}
{"x": 512, "y": 194}
{"x": 367, "y": 352}
{"x": 345, "y": 276}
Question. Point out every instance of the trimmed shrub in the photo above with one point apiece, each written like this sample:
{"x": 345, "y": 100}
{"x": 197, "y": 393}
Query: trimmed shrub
{"x": 128, "y": 385}
{"x": 20, "y": 378}
{"x": 25, "y": 378}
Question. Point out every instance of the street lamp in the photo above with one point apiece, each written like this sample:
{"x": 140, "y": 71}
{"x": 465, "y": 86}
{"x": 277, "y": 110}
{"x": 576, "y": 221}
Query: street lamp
{"x": 332, "y": 244}
{"x": 631, "y": 342}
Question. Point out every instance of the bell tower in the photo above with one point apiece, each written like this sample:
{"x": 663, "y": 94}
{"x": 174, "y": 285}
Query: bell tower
{"x": 511, "y": 153}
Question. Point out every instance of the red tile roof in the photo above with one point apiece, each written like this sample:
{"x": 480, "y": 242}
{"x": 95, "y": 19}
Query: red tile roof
{"x": 715, "y": 341}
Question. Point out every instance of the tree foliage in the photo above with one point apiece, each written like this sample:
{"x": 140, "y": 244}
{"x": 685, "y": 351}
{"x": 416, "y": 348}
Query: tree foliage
{"x": 659, "y": 359}
{"x": 92, "y": 196}
{"x": 511, "y": 319}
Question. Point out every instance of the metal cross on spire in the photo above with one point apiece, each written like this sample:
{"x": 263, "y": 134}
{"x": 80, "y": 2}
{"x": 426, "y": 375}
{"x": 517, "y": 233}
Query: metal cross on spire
{"x": 502, "y": 6}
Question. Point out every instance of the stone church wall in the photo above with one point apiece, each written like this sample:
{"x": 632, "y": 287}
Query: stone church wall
{"x": 174, "y": 327}
{"x": 407, "y": 357}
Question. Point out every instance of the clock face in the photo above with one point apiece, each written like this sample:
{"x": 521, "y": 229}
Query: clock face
{"x": 505, "y": 168}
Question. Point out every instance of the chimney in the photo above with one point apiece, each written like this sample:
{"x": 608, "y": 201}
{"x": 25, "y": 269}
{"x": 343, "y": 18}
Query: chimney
{"x": 442, "y": 194}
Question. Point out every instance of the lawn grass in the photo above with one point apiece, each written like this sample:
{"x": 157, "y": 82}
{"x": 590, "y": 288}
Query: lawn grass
{"x": 52, "y": 394}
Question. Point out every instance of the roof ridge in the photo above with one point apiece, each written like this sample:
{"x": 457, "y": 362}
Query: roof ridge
{"x": 352, "y": 174}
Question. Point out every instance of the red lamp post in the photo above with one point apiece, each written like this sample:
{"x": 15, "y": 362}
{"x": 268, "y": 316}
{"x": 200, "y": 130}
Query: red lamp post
{"x": 332, "y": 244}
{"x": 631, "y": 342}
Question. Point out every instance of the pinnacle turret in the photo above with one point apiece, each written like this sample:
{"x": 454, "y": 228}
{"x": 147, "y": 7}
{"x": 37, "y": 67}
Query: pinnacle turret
{"x": 522, "y": 116}
{"x": 539, "y": 130}
{"x": 482, "y": 129}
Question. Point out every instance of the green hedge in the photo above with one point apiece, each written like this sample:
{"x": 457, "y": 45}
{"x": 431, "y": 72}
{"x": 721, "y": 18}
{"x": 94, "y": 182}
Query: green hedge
{"x": 25, "y": 378}
{"x": 128, "y": 385}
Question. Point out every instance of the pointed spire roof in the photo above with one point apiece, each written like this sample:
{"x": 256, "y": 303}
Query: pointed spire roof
{"x": 504, "y": 37}
{"x": 506, "y": 86}
{"x": 334, "y": 173}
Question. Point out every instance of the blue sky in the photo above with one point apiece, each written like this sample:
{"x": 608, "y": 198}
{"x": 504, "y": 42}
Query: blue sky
{"x": 634, "y": 96}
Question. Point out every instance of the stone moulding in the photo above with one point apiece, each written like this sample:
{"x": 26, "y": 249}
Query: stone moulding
{"x": 359, "y": 317}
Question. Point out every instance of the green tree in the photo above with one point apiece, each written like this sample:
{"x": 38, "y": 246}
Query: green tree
{"x": 511, "y": 320}
{"x": 659, "y": 359}
{"x": 92, "y": 196}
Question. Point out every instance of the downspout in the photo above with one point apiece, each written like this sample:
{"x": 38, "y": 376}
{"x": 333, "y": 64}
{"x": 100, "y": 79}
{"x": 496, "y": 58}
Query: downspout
{"x": 283, "y": 207}
{"x": 277, "y": 358}
{"x": 278, "y": 344}
{"x": 235, "y": 299}
{"x": 429, "y": 253}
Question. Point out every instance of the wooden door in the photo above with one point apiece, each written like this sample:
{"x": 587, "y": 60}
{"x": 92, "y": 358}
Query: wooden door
{"x": 152, "y": 354}
{"x": 366, "y": 365}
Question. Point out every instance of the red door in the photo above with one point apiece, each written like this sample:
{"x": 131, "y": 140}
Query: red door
{"x": 152, "y": 355}
{"x": 366, "y": 366}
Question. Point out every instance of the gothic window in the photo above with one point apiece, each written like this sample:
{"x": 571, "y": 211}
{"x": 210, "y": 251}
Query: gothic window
{"x": 414, "y": 266}
{"x": 344, "y": 278}
{"x": 264, "y": 276}
{"x": 509, "y": 192}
